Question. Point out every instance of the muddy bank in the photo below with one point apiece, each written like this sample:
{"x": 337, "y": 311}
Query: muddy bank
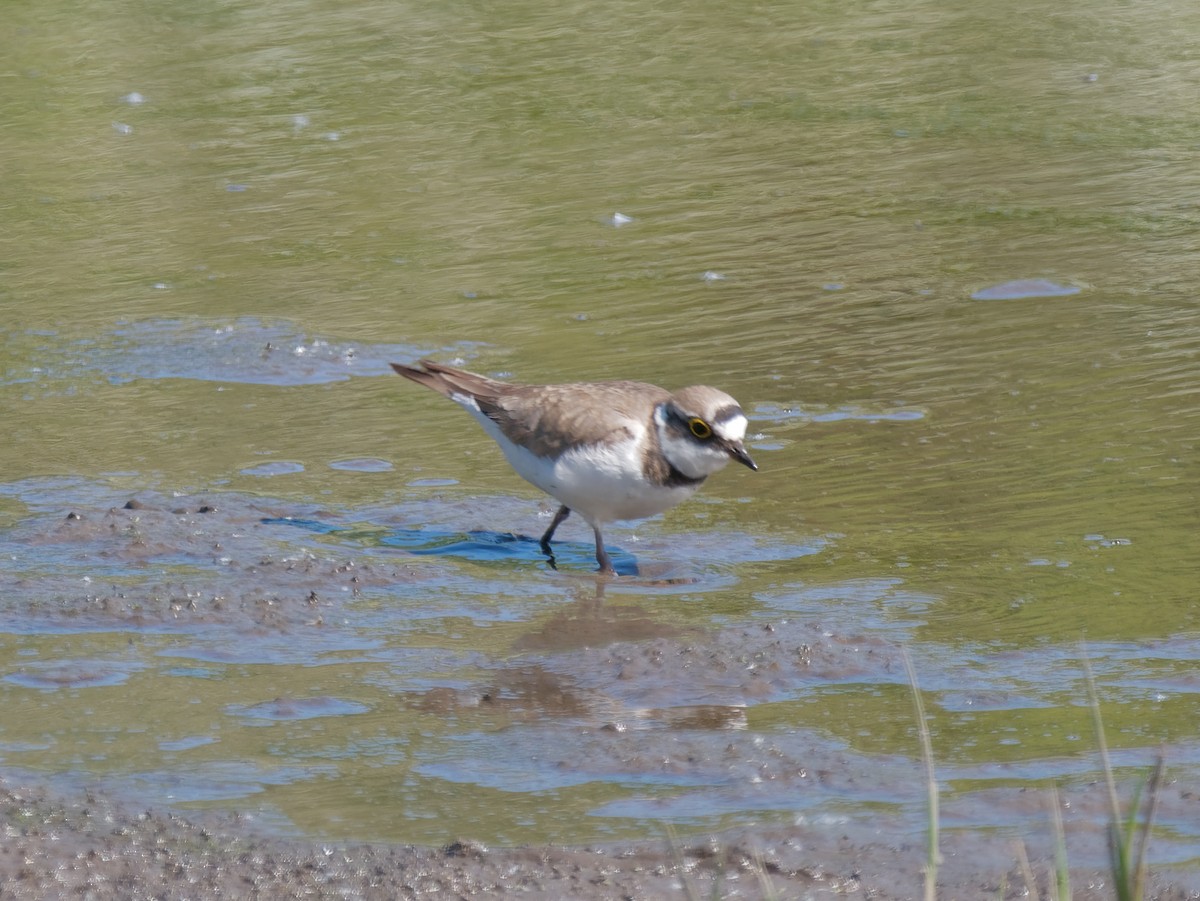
{"x": 92, "y": 846}
{"x": 217, "y": 696}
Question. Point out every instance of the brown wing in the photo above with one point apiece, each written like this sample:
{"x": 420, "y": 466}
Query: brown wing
{"x": 547, "y": 419}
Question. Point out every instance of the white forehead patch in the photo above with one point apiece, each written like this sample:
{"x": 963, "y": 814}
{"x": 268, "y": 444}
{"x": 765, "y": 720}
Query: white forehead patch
{"x": 733, "y": 428}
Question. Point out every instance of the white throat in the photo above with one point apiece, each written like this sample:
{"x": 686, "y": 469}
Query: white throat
{"x": 694, "y": 458}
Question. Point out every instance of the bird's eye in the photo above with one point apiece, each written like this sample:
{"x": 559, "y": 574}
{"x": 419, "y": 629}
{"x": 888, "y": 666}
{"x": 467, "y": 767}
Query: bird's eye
{"x": 700, "y": 428}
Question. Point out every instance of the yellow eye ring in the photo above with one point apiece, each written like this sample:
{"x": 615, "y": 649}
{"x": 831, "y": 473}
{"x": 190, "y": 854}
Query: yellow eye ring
{"x": 700, "y": 428}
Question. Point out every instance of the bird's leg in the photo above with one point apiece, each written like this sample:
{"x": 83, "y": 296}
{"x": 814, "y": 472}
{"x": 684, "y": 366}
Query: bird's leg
{"x": 563, "y": 512}
{"x": 602, "y": 557}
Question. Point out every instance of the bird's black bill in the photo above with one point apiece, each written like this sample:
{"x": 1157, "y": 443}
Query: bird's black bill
{"x": 739, "y": 453}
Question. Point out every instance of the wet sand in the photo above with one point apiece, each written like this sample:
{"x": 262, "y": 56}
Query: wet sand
{"x": 92, "y": 847}
{"x": 65, "y": 837}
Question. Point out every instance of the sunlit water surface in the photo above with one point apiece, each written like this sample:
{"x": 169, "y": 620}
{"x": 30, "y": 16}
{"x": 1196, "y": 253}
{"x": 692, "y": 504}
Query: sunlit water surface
{"x": 944, "y": 254}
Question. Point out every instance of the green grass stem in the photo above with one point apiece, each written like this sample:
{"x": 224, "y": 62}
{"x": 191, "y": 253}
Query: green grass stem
{"x": 1127, "y": 841}
{"x": 935, "y": 857}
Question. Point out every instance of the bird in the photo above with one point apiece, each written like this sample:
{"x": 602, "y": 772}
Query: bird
{"x": 615, "y": 450}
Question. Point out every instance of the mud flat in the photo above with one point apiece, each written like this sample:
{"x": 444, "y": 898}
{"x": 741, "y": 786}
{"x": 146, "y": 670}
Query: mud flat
{"x": 93, "y": 847}
{"x": 586, "y": 692}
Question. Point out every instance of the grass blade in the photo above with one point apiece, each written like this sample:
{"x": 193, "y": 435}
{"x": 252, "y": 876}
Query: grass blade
{"x": 1062, "y": 872}
{"x": 1140, "y": 865}
{"x": 935, "y": 857}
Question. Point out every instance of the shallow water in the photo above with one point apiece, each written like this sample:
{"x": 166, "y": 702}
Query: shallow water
{"x": 863, "y": 222}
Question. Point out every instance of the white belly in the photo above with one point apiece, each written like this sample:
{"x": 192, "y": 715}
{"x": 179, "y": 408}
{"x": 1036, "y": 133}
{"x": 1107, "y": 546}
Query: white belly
{"x": 600, "y": 483}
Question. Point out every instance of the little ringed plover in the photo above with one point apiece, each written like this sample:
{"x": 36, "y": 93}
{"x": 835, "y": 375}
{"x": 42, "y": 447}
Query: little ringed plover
{"x": 608, "y": 450}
